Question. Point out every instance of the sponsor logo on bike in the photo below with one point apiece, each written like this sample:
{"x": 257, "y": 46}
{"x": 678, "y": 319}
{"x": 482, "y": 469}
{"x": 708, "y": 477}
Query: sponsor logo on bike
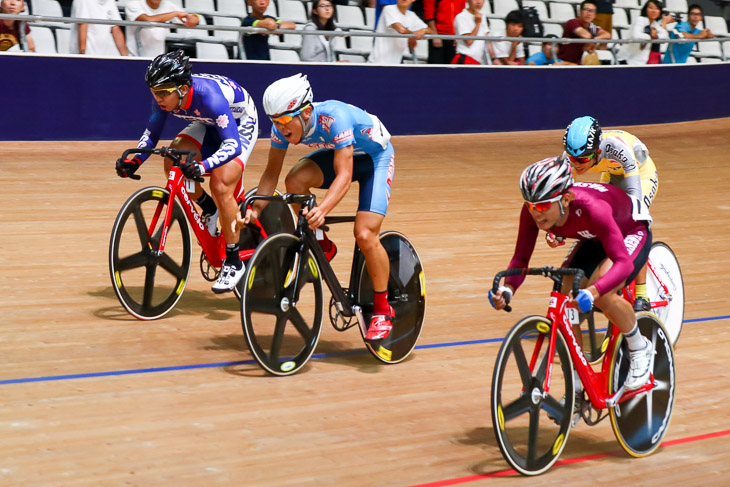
{"x": 193, "y": 212}
{"x": 578, "y": 349}
{"x": 326, "y": 122}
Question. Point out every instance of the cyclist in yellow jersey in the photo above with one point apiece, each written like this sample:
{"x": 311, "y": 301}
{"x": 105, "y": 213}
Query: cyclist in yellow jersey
{"x": 623, "y": 160}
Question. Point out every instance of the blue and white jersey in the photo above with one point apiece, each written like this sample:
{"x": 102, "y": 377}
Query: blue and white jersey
{"x": 336, "y": 125}
{"x": 215, "y": 101}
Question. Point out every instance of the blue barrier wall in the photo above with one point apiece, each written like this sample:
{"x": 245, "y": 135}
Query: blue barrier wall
{"x": 57, "y": 98}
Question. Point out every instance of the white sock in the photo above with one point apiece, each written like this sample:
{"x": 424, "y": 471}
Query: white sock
{"x": 634, "y": 338}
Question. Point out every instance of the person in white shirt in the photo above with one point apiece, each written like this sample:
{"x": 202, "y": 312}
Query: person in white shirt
{"x": 510, "y": 52}
{"x": 397, "y": 19}
{"x": 96, "y": 39}
{"x": 471, "y": 22}
{"x": 150, "y": 41}
{"x": 651, "y": 24}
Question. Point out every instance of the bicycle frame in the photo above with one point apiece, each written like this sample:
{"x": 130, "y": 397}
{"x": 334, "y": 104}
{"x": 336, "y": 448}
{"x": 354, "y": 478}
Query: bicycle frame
{"x": 178, "y": 187}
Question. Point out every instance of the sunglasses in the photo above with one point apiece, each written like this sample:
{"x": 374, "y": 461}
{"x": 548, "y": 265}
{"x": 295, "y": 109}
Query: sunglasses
{"x": 162, "y": 92}
{"x": 581, "y": 160}
{"x": 285, "y": 118}
{"x": 542, "y": 205}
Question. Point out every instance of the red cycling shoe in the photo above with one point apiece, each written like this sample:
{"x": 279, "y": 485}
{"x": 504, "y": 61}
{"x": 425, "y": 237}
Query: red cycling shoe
{"x": 380, "y": 326}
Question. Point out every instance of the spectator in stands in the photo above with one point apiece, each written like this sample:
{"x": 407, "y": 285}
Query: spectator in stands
{"x": 379, "y": 4}
{"x": 471, "y": 22}
{"x": 546, "y": 57}
{"x": 510, "y": 52}
{"x": 397, "y": 19}
{"x": 150, "y": 41}
{"x": 96, "y": 39}
{"x": 257, "y": 45}
{"x": 319, "y": 48}
{"x": 10, "y": 33}
{"x": 651, "y": 24}
{"x": 678, "y": 53}
{"x": 604, "y": 15}
{"x": 582, "y": 27}
{"x": 440, "y": 15}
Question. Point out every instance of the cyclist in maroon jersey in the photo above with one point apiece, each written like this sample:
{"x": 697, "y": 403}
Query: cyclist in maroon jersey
{"x": 612, "y": 247}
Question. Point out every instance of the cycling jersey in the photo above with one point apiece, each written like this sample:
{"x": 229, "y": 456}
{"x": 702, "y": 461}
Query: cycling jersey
{"x": 625, "y": 155}
{"x": 335, "y": 125}
{"x": 216, "y": 102}
{"x": 599, "y": 212}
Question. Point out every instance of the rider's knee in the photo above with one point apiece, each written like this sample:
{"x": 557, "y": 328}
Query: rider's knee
{"x": 366, "y": 238}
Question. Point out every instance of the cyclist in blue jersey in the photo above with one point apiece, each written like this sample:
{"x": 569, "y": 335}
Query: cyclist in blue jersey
{"x": 223, "y": 130}
{"x": 613, "y": 247}
{"x": 352, "y": 145}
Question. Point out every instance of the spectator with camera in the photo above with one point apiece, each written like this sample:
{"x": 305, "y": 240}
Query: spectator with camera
{"x": 678, "y": 53}
{"x": 582, "y": 27}
{"x": 650, "y": 25}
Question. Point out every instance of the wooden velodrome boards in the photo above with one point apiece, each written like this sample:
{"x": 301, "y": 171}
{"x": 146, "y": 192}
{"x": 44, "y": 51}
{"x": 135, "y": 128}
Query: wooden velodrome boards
{"x": 90, "y": 396}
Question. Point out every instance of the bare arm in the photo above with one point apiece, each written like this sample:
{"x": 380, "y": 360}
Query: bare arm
{"x": 83, "y": 30}
{"x": 31, "y": 44}
{"x": 119, "y": 40}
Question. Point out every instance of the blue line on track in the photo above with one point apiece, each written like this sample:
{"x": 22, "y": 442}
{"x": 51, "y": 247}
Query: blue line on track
{"x": 250, "y": 362}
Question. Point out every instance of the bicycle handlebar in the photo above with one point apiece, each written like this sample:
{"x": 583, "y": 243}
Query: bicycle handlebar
{"x": 554, "y": 273}
{"x": 175, "y": 154}
{"x": 307, "y": 200}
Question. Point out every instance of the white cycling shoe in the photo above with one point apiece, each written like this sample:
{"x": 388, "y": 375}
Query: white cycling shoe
{"x": 640, "y": 367}
{"x": 228, "y": 278}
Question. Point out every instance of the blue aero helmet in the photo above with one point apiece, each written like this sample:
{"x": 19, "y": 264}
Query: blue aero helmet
{"x": 582, "y": 137}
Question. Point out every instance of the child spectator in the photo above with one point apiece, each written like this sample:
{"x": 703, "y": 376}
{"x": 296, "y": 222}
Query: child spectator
{"x": 510, "y": 52}
{"x": 471, "y": 22}
{"x": 96, "y": 39}
{"x": 678, "y": 53}
{"x": 397, "y": 19}
{"x": 150, "y": 41}
{"x": 10, "y": 29}
{"x": 257, "y": 45}
{"x": 545, "y": 57}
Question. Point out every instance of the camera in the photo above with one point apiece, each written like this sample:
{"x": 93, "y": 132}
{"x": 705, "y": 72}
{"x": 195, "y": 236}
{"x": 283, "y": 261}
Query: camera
{"x": 677, "y": 17}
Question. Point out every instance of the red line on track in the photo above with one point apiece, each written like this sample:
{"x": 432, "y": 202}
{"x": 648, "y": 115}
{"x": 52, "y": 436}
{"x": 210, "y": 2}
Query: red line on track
{"x": 569, "y": 461}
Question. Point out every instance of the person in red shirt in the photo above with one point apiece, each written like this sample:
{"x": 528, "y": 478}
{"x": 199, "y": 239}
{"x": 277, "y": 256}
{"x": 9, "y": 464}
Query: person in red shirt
{"x": 10, "y": 29}
{"x": 439, "y": 15}
{"x": 582, "y": 27}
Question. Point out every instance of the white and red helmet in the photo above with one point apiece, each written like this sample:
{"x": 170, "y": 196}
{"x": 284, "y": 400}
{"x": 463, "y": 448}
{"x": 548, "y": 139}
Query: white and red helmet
{"x": 287, "y": 96}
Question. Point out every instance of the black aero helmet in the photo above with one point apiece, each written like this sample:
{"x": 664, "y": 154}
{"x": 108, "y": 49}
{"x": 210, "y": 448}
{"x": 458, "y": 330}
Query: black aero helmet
{"x": 169, "y": 68}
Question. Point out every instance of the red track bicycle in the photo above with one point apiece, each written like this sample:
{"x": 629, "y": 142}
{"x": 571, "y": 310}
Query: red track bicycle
{"x": 533, "y": 396}
{"x": 150, "y": 250}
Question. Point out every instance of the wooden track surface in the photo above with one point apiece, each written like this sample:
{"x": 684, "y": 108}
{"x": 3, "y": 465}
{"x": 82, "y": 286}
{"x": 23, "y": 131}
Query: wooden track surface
{"x": 90, "y": 396}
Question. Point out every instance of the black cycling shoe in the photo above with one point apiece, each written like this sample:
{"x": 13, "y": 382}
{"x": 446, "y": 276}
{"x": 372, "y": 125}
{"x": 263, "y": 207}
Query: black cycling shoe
{"x": 641, "y": 304}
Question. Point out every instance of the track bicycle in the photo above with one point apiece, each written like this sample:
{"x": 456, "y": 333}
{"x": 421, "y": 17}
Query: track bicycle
{"x": 150, "y": 250}
{"x": 532, "y": 395}
{"x": 282, "y": 295}
{"x": 665, "y": 289}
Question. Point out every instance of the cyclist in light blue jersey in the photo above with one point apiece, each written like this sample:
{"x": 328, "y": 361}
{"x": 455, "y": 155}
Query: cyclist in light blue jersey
{"x": 223, "y": 129}
{"x": 352, "y": 145}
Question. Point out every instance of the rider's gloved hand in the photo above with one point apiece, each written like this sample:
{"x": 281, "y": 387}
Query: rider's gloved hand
{"x": 584, "y": 300}
{"x": 505, "y": 293}
{"x": 126, "y": 167}
{"x": 192, "y": 169}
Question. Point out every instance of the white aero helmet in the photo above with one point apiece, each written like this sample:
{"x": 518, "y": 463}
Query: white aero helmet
{"x": 287, "y": 96}
{"x": 546, "y": 179}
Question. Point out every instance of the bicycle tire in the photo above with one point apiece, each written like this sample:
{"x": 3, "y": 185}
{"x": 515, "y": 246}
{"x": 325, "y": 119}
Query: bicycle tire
{"x": 281, "y": 336}
{"x": 133, "y": 265}
{"x": 665, "y": 263}
{"x": 641, "y": 422}
{"x": 276, "y": 217}
{"x": 531, "y": 430}
{"x": 406, "y": 294}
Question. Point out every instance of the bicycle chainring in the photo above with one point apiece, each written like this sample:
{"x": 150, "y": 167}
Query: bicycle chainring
{"x": 209, "y": 272}
{"x": 339, "y": 321}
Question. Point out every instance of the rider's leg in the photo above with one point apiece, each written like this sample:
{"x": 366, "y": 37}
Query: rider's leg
{"x": 223, "y": 183}
{"x": 206, "y": 203}
{"x": 306, "y": 174}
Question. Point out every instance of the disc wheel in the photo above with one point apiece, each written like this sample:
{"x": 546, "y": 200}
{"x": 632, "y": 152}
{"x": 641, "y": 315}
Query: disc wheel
{"x": 641, "y": 422}
{"x": 532, "y": 426}
{"x": 149, "y": 283}
{"x": 406, "y": 294}
{"x": 665, "y": 270}
{"x": 280, "y": 332}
